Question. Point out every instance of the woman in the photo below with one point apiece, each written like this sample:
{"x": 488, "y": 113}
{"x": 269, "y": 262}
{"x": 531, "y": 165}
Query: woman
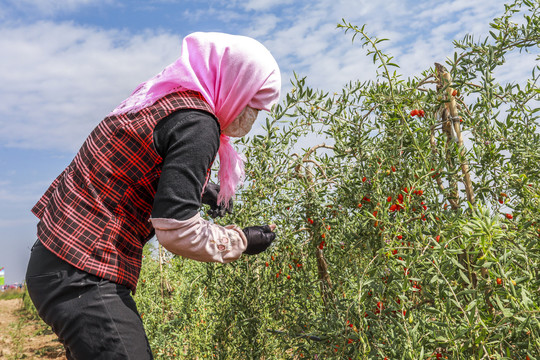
{"x": 145, "y": 170}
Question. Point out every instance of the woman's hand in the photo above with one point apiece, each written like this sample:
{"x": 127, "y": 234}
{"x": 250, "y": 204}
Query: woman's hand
{"x": 210, "y": 197}
{"x": 259, "y": 238}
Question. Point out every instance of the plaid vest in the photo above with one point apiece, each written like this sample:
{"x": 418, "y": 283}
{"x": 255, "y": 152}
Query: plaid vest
{"x": 95, "y": 215}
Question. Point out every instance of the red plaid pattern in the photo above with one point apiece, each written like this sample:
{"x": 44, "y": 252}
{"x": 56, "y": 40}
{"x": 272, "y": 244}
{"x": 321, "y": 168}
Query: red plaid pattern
{"x": 95, "y": 215}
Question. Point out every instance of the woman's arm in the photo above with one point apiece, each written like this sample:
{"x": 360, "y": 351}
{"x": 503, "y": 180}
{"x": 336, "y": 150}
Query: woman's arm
{"x": 188, "y": 141}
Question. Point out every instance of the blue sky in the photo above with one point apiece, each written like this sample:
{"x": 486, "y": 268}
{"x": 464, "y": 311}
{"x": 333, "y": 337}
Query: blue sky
{"x": 65, "y": 64}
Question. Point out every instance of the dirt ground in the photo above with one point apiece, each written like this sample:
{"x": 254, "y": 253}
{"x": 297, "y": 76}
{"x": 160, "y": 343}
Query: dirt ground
{"x": 21, "y": 338}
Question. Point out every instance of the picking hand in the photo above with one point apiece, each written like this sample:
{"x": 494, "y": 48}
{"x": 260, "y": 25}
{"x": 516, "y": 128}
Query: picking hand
{"x": 210, "y": 197}
{"x": 259, "y": 238}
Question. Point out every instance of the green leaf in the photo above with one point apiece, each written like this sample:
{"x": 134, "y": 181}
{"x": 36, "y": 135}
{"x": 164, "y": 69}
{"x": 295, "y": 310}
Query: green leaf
{"x": 455, "y": 262}
{"x": 464, "y": 277}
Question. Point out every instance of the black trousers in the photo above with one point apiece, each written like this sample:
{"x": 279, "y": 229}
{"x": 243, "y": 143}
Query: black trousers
{"x": 93, "y": 318}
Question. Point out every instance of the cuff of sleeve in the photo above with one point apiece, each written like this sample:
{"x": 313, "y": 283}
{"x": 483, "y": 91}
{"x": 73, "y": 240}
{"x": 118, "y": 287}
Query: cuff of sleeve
{"x": 200, "y": 240}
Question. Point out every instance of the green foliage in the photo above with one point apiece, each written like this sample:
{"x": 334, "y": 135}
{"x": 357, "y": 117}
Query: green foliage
{"x": 401, "y": 234}
{"x": 29, "y": 311}
{"x": 11, "y": 294}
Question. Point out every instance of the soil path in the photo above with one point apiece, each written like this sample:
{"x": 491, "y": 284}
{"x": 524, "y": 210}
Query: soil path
{"x": 25, "y": 339}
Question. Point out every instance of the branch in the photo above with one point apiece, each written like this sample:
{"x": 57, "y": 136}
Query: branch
{"x": 445, "y": 81}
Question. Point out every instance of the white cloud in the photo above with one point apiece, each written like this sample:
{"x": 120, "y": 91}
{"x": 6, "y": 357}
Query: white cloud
{"x": 517, "y": 68}
{"x": 33, "y": 8}
{"x": 59, "y": 80}
{"x": 224, "y": 12}
{"x": 17, "y": 193}
{"x": 17, "y": 223}
{"x": 441, "y": 12}
{"x": 260, "y": 5}
{"x": 262, "y": 25}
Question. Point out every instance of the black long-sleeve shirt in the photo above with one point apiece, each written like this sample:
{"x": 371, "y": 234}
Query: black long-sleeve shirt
{"x": 188, "y": 141}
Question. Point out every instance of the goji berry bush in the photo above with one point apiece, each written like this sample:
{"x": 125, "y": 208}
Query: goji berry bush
{"x": 407, "y": 221}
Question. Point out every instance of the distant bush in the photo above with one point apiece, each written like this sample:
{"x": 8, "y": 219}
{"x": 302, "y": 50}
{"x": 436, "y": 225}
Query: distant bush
{"x": 11, "y": 294}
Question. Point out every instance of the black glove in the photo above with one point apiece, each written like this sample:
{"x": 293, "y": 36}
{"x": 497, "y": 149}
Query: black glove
{"x": 210, "y": 197}
{"x": 259, "y": 239}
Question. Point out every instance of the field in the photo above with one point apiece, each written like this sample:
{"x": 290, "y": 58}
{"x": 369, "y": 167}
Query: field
{"x": 407, "y": 221}
{"x": 22, "y": 336}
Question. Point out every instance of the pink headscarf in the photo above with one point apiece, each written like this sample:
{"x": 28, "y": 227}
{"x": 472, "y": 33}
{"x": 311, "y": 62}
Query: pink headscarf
{"x": 231, "y": 72}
